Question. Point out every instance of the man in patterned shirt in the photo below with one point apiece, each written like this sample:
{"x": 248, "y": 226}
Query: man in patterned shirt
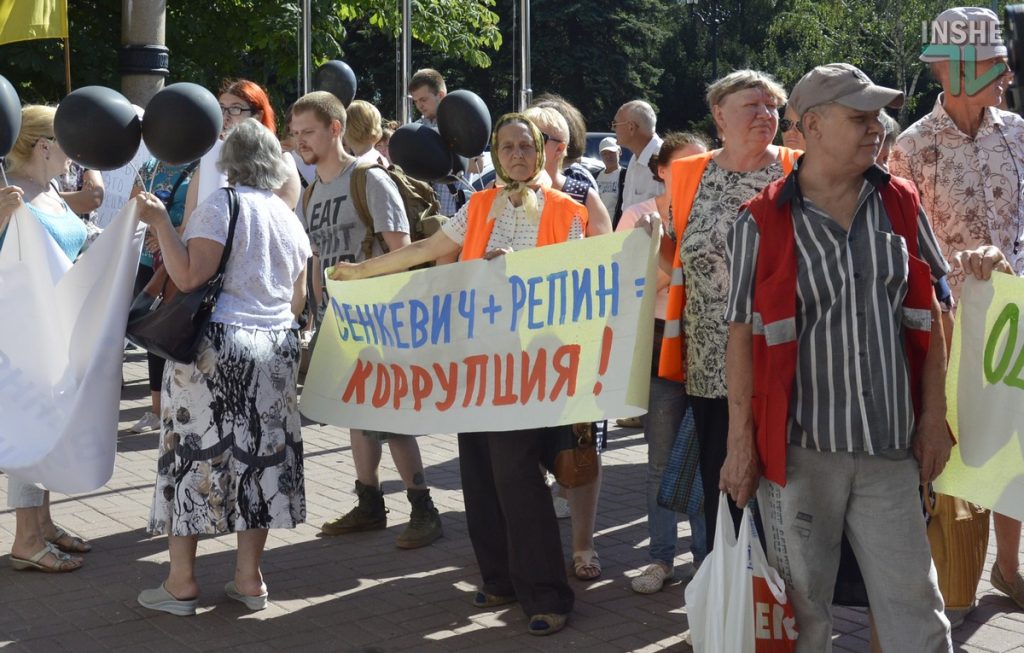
{"x": 834, "y": 339}
{"x": 966, "y": 158}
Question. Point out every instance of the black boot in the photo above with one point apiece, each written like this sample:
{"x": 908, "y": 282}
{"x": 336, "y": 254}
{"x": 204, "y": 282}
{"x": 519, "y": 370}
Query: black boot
{"x": 424, "y": 522}
{"x": 369, "y": 515}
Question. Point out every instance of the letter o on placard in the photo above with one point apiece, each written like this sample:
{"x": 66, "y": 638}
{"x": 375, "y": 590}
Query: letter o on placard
{"x": 1007, "y": 319}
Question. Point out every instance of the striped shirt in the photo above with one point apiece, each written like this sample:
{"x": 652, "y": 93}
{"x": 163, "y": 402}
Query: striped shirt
{"x": 852, "y": 388}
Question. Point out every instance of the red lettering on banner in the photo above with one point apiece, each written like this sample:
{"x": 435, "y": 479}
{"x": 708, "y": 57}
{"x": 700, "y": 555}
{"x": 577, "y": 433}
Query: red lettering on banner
{"x": 566, "y": 370}
{"x": 535, "y": 378}
{"x": 382, "y": 391}
{"x": 357, "y": 383}
{"x": 450, "y": 384}
{"x": 474, "y": 380}
{"x": 401, "y": 385}
{"x": 504, "y": 397}
{"x": 422, "y": 386}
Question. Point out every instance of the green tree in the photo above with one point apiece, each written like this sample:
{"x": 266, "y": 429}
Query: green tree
{"x": 211, "y": 40}
{"x": 882, "y": 37}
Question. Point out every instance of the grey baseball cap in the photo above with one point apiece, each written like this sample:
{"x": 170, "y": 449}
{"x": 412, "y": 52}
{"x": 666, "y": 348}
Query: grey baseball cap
{"x": 844, "y": 84}
{"x": 963, "y": 26}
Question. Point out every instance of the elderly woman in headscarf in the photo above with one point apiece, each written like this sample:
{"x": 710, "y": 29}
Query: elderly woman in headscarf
{"x": 509, "y": 513}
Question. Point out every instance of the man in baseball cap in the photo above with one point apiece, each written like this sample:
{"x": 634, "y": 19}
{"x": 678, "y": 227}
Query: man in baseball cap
{"x": 609, "y": 180}
{"x": 966, "y": 158}
{"x": 843, "y": 84}
{"x": 842, "y": 436}
{"x": 963, "y": 27}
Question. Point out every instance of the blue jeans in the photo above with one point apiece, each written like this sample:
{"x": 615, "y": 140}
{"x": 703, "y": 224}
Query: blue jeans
{"x": 666, "y": 408}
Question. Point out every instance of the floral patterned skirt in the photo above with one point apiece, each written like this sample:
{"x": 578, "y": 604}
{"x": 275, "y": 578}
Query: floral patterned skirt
{"x": 230, "y": 455}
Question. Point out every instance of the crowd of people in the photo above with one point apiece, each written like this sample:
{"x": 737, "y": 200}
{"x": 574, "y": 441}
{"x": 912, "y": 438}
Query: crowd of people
{"x": 805, "y": 299}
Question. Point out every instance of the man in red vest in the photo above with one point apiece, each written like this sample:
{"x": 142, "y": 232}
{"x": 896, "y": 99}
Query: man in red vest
{"x": 835, "y": 369}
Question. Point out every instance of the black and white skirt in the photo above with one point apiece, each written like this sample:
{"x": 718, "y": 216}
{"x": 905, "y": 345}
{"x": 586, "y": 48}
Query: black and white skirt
{"x": 230, "y": 455}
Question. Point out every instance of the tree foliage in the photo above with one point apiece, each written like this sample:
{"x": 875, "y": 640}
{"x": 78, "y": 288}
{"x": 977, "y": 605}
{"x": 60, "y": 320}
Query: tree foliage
{"x": 598, "y": 54}
{"x": 211, "y": 40}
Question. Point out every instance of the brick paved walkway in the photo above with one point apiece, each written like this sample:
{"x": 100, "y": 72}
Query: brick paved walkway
{"x": 359, "y": 593}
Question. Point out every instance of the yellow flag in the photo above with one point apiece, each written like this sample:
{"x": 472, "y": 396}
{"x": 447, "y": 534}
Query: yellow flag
{"x": 22, "y": 20}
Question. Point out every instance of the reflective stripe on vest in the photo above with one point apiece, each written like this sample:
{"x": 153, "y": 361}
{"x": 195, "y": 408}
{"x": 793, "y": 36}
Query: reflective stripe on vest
{"x": 686, "y": 177}
{"x": 555, "y": 221}
{"x": 774, "y": 328}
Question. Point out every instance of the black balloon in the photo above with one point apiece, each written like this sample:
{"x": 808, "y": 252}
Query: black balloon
{"x": 464, "y": 123}
{"x": 459, "y": 165}
{"x": 10, "y": 116}
{"x": 336, "y": 77}
{"x": 182, "y": 123}
{"x": 420, "y": 152}
{"x": 98, "y": 127}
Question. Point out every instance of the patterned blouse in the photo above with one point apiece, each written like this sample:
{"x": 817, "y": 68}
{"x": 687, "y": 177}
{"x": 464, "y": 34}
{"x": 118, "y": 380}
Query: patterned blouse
{"x": 706, "y": 271}
{"x": 971, "y": 188}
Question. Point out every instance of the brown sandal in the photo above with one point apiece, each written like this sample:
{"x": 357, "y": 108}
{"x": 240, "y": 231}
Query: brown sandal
{"x": 68, "y": 542}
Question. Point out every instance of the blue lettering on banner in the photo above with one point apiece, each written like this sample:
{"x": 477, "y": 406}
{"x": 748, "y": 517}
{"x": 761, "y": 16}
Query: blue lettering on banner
{"x": 536, "y": 302}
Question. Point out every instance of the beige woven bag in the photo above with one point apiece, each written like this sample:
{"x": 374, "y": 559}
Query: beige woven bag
{"x": 958, "y": 534}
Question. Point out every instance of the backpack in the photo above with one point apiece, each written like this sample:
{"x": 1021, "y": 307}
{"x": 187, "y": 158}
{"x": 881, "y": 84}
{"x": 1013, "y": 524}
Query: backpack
{"x": 418, "y": 199}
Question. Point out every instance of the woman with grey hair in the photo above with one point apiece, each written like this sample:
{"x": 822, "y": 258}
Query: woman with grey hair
{"x": 230, "y": 455}
{"x": 707, "y": 191}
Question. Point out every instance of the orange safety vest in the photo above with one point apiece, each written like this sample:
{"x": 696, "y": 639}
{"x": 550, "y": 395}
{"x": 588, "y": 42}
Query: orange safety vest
{"x": 686, "y": 177}
{"x": 555, "y": 221}
{"x": 774, "y": 318}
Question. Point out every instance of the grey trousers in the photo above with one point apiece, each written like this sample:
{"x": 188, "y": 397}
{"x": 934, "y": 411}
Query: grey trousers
{"x": 876, "y": 501}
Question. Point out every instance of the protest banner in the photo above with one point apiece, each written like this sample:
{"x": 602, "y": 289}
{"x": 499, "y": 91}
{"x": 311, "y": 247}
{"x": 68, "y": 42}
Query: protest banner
{"x": 541, "y": 337}
{"x": 117, "y": 187}
{"x": 985, "y": 396}
{"x": 61, "y": 347}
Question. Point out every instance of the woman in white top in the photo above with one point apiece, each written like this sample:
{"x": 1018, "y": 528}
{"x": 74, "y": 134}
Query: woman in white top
{"x": 231, "y": 447}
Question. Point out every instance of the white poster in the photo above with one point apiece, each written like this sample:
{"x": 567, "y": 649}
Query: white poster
{"x": 61, "y": 344}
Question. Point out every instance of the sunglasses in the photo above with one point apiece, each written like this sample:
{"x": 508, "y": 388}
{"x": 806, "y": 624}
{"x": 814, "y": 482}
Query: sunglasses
{"x": 785, "y": 124}
{"x": 550, "y": 138}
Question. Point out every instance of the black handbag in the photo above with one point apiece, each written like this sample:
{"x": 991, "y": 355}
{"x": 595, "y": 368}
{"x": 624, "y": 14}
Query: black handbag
{"x": 173, "y": 329}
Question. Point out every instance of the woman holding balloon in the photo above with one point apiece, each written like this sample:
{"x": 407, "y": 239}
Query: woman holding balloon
{"x": 34, "y": 161}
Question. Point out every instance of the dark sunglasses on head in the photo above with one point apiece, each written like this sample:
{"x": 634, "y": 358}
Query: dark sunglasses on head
{"x": 785, "y": 124}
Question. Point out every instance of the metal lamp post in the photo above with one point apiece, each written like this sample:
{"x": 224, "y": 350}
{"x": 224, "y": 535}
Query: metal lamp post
{"x": 713, "y": 13}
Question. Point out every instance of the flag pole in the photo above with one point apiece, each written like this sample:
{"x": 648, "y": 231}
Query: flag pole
{"x": 67, "y": 63}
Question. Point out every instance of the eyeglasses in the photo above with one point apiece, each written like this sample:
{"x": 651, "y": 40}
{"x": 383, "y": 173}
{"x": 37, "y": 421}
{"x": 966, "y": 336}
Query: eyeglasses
{"x": 785, "y": 124}
{"x": 620, "y": 122}
{"x": 550, "y": 138}
{"x": 234, "y": 111}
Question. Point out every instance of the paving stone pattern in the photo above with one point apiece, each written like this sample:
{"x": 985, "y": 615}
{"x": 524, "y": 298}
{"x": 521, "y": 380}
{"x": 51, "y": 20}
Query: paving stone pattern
{"x": 359, "y": 592}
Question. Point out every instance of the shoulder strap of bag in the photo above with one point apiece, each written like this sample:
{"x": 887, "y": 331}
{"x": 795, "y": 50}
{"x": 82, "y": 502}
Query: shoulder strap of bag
{"x": 233, "y": 208}
{"x": 187, "y": 172}
{"x": 357, "y": 191}
{"x": 307, "y": 195}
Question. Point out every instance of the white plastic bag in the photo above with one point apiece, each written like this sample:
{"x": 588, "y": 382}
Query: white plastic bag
{"x": 737, "y": 603}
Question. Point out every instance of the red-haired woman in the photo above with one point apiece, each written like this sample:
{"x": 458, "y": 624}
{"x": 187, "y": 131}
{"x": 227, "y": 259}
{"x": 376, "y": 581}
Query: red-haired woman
{"x": 240, "y": 99}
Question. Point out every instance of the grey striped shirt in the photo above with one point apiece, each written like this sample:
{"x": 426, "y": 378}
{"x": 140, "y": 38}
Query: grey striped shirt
{"x": 852, "y": 390}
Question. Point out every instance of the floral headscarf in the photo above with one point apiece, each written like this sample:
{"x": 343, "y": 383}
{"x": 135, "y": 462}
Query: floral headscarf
{"x": 513, "y": 188}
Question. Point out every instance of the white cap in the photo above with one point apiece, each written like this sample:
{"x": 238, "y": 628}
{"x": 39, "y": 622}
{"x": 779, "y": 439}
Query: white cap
{"x": 608, "y": 143}
{"x": 963, "y": 26}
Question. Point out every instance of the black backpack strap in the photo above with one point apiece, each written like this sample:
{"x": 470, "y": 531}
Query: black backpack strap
{"x": 233, "y": 209}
